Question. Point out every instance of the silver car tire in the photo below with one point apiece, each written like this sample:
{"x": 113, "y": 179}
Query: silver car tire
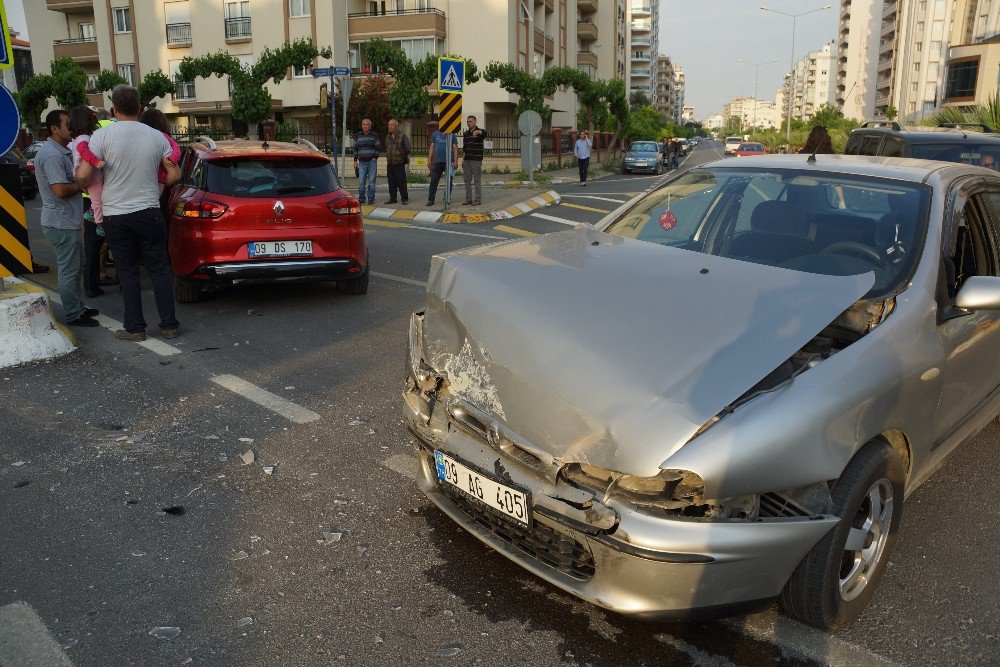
{"x": 833, "y": 584}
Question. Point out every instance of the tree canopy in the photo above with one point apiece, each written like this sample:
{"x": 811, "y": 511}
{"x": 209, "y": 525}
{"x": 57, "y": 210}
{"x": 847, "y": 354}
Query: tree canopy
{"x": 251, "y": 101}
{"x": 154, "y": 84}
{"x": 67, "y": 83}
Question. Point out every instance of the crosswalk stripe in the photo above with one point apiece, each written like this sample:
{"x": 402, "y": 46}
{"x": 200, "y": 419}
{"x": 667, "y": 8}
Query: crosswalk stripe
{"x": 586, "y": 208}
{"x": 25, "y": 639}
{"x": 386, "y": 223}
{"x": 617, "y": 201}
{"x": 553, "y": 218}
{"x": 276, "y": 404}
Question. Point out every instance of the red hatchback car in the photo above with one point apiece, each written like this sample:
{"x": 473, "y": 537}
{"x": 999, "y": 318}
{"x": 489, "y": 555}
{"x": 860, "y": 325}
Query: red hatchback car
{"x": 245, "y": 211}
{"x": 750, "y": 149}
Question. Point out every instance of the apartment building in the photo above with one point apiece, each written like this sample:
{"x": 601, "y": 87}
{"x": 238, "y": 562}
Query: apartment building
{"x": 815, "y": 82}
{"x": 678, "y": 93}
{"x": 663, "y": 93}
{"x": 974, "y": 56}
{"x": 687, "y": 115}
{"x": 714, "y": 121}
{"x": 134, "y": 37}
{"x": 753, "y": 112}
{"x": 15, "y": 77}
{"x": 920, "y": 55}
{"x": 644, "y": 28}
{"x": 602, "y": 37}
{"x": 859, "y": 33}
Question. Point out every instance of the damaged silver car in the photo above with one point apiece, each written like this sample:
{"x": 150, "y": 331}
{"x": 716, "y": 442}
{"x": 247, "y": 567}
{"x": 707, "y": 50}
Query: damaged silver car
{"x": 722, "y": 395}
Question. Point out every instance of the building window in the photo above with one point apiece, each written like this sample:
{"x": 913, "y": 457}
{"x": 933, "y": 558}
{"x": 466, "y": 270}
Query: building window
{"x": 91, "y": 84}
{"x": 238, "y": 19}
{"x": 301, "y": 72}
{"x": 123, "y": 20}
{"x": 918, "y": 47}
{"x": 914, "y": 86}
{"x": 127, "y": 72}
{"x": 960, "y": 81}
{"x": 87, "y": 31}
{"x": 298, "y": 8}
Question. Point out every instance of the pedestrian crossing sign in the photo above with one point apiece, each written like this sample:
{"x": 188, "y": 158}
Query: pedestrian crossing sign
{"x": 451, "y": 75}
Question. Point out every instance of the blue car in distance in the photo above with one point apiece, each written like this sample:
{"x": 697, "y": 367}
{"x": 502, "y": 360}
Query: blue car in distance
{"x": 643, "y": 156}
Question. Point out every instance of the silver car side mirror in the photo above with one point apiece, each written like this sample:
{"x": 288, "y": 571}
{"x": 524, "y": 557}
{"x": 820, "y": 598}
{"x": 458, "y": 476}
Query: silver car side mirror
{"x": 979, "y": 293}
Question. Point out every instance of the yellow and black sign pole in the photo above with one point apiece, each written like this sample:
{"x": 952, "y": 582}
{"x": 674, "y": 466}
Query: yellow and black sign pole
{"x": 450, "y": 122}
{"x": 15, "y": 256}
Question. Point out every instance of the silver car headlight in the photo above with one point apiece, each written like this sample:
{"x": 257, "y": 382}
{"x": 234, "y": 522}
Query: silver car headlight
{"x": 668, "y": 489}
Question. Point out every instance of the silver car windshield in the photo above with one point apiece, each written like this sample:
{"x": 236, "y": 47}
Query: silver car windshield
{"x": 831, "y": 224}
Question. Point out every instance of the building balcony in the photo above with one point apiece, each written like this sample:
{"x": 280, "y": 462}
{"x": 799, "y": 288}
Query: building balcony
{"x": 586, "y": 31}
{"x": 178, "y": 34}
{"x": 882, "y": 101}
{"x": 586, "y": 58}
{"x": 544, "y": 43}
{"x": 887, "y": 46}
{"x": 884, "y": 65}
{"x": 642, "y": 9}
{"x": 641, "y": 41}
{"x": 95, "y": 100}
{"x": 185, "y": 91}
{"x": 70, "y": 6}
{"x": 239, "y": 29}
{"x": 397, "y": 23}
{"x": 888, "y": 28}
{"x": 643, "y": 57}
{"x": 889, "y": 9}
{"x": 550, "y": 5}
{"x": 640, "y": 74}
{"x": 81, "y": 49}
{"x": 586, "y": 6}
{"x": 641, "y": 26}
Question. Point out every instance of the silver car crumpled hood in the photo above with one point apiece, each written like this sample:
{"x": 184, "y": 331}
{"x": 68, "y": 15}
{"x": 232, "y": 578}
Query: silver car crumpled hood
{"x": 613, "y": 351}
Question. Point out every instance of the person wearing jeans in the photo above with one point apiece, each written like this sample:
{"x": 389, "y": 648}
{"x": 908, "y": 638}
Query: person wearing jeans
{"x": 581, "y": 149}
{"x": 397, "y": 156}
{"x": 437, "y": 157}
{"x": 367, "y": 148}
{"x": 133, "y": 154}
{"x": 62, "y": 216}
{"x": 472, "y": 161}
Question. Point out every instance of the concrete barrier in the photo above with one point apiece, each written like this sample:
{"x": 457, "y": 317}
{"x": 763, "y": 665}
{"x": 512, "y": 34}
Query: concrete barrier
{"x": 28, "y": 330}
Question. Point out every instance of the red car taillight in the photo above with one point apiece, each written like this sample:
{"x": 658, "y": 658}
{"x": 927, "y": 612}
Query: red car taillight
{"x": 202, "y": 209}
{"x": 30, "y": 166}
{"x": 344, "y": 206}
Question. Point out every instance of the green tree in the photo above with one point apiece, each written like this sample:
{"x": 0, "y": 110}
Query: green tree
{"x": 67, "y": 83}
{"x": 826, "y": 115}
{"x": 251, "y": 101}
{"x": 408, "y": 96}
{"x": 370, "y": 99}
{"x": 638, "y": 99}
{"x": 646, "y": 123}
{"x": 530, "y": 90}
{"x": 987, "y": 114}
{"x": 153, "y": 85}
{"x": 891, "y": 112}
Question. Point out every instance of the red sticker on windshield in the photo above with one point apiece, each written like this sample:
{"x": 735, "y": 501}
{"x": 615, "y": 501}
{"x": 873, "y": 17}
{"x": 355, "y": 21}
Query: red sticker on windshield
{"x": 668, "y": 220}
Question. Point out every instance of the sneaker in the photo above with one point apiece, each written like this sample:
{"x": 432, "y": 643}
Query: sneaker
{"x": 88, "y": 216}
{"x": 466, "y": 202}
{"x": 84, "y": 321}
{"x": 100, "y": 230}
{"x": 136, "y": 337}
{"x": 90, "y": 312}
{"x": 170, "y": 332}
{"x": 476, "y": 202}
{"x": 390, "y": 201}
{"x": 405, "y": 202}
{"x": 430, "y": 203}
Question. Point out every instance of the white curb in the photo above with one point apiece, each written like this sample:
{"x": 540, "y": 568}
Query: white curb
{"x": 28, "y": 331}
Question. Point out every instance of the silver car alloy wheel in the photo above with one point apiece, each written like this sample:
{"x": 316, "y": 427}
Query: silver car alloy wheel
{"x": 866, "y": 540}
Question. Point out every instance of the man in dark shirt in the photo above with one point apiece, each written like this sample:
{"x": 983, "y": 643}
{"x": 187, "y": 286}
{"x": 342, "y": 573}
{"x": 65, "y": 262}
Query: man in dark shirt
{"x": 397, "y": 156}
{"x": 367, "y": 148}
{"x": 472, "y": 161}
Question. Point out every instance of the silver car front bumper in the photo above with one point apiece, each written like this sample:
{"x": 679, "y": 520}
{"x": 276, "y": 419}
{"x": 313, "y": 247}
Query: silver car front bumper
{"x": 661, "y": 567}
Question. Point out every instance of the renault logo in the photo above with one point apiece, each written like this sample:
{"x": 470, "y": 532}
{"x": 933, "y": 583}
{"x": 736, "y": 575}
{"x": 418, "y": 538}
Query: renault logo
{"x": 279, "y": 209}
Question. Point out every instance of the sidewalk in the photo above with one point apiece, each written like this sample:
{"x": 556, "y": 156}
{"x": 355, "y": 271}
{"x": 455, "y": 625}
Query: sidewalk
{"x": 500, "y": 202}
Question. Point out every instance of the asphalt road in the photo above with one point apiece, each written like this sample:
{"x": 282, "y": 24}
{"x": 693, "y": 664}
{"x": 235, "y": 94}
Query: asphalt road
{"x": 310, "y": 381}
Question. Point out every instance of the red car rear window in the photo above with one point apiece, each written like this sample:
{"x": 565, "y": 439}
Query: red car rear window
{"x": 270, "y": 177}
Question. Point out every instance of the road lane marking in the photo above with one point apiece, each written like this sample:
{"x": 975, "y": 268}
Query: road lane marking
{"x": 808, "y": 642}
{"x": 151, "y": 344}
{"x": 455, "y": 231}
{"x": 552, "y": 218}
{"x": 514, "y": 230}
{"x": 400, "y": 279}
{"x": 617, "y": 201}
{"x": 25, "y": 640}
{"x": 403, "y": 464}
{"x": 586, "y": 208}
{"x": 384, "y": 223}
{"x": 276, "y": 404}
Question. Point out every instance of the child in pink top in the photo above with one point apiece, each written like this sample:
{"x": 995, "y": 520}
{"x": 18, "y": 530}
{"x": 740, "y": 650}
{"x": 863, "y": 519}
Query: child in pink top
{"x": 156, "y": 120}
{"x": 82, "y": 124}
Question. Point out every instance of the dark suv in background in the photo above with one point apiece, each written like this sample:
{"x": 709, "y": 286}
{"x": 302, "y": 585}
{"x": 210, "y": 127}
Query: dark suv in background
{"x": 26, "y": 171}
{"x": 949, "y": 143}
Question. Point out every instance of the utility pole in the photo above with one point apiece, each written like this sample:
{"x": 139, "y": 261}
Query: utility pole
{"x": 756, "y": 68}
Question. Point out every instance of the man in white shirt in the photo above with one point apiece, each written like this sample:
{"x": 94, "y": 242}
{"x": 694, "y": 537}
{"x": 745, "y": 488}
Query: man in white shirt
{"x": 133, "y": 154}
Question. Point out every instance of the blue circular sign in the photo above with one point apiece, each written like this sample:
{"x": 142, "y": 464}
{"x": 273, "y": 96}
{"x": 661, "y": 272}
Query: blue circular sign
{"x": 10, "y": 120}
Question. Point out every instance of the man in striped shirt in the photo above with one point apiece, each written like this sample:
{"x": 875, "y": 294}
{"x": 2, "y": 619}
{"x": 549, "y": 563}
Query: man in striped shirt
{"x": 472, "y": 161}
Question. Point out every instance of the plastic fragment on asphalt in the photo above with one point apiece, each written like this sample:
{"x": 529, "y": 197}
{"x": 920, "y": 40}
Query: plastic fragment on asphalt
{"x": 55, "y": 486}
{"x": 330, "y": 538}
{"x": 138, "y": 554}
{"x": 248, "y": 457}
{"x": 110, "y": 426}
{"x": 244, "y": 622}
{"x": 240, "y": 555}
{"x": 176, "y": 510}
{"x": 356, "y": 422}
{"x": 255, "y": 538}
{"x": 269, "y": 470}
{"x": 165, "y": 633}
{"x": 450, "y": 650}
{"x": 17, "y": 464}
{"x": 246, "y": 439}
{"x": 22, "y": 483}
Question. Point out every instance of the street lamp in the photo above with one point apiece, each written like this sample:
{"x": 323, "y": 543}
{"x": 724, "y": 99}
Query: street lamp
{"x": 756, "y": 66}
{"x": 791, "y": 86}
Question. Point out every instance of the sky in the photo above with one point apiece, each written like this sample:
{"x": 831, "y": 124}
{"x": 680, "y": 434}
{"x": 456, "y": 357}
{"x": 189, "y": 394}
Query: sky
{"x": 15, "y": 16}
{"x": 706, "y": 37}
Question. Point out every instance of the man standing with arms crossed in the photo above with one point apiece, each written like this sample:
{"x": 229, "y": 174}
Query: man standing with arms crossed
{"x": 472, "y": 161}
{"x": 62, "y": 215}
{"x": 133, "y": 154}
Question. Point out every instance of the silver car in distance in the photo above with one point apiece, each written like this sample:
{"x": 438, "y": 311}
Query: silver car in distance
{"x": 724, "y": 393}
